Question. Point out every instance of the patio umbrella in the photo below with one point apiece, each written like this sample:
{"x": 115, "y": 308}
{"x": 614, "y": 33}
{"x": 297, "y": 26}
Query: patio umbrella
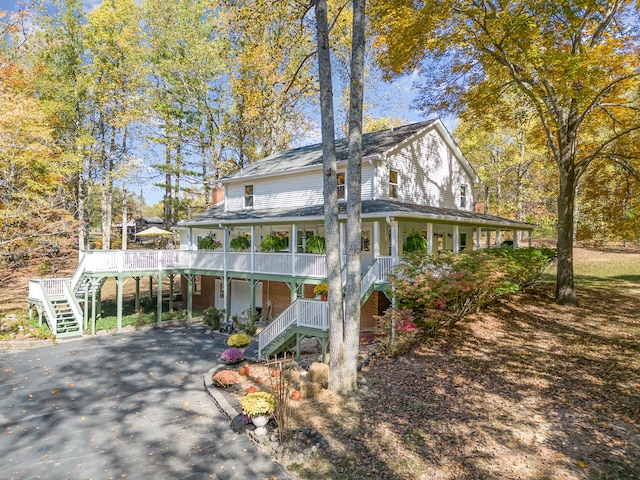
{"x": 153, "y": 232}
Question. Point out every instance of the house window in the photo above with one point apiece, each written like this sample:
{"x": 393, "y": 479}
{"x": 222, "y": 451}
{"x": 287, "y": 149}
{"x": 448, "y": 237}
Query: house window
{"x": 248, "y": 196}
{"x": 341, "y": 185}
{"x": 463, "y": 196}
{"x": 393, "y": 184}
{"x": 463, "y": 241}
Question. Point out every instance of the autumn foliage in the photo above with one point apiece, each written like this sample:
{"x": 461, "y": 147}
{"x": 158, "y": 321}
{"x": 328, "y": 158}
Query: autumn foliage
{"x": 434, "y": 291}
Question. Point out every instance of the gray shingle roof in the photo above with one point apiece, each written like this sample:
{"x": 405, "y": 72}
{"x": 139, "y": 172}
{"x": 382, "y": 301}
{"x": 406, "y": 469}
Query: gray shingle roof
{"x": 370, "y": 208}
{"x": 374, "y": 143}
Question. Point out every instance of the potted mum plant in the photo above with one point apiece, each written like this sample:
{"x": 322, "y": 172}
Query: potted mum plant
{"x": 232, "y": 355}
{"x": 238, "y": 340}
{"x": 321, "y": 290}
{"x": 258, "y": 406}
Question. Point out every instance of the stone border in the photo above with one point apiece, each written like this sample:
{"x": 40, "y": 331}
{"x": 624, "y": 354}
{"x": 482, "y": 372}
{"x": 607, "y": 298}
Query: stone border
{"x": 224, "y": 406}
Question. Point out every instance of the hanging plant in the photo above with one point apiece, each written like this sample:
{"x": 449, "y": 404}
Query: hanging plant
{"x": 272, "y": 243}
{"x": 415, "y": 242}
{"x": 239, "y": 243}
{"x": 208, "y": 243}
{"x": 315, "y": 244}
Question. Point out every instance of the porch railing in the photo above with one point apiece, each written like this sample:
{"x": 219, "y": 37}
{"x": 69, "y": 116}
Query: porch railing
{"x": 107, "y": 261}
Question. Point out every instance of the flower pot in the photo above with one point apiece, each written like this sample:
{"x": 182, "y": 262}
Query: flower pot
{"x": 260, "y": 423}
{"x": 323, "y": 297}
{"x": 295, "y": 395}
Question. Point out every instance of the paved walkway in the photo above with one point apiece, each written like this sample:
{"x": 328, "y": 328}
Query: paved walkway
{"x": 131, "y": 405}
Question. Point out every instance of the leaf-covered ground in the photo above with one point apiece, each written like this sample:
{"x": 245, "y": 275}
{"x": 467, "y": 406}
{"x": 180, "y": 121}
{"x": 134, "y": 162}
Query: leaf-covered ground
{"x": 525, "y": 390}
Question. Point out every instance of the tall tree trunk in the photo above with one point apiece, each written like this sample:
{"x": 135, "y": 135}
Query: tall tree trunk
{"x": 331, "y": 227}
{"x": 354, "y": 203}
{"x": 168, "y": 194}
{"x": 565, "y": 286}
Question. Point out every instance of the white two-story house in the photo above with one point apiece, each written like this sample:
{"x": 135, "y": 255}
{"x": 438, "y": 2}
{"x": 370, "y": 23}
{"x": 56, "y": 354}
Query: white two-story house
{"x": 414, "y": 179}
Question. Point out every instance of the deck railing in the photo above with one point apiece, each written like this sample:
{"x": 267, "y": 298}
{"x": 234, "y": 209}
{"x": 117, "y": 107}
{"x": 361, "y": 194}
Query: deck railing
{"x": 127, "y": 261}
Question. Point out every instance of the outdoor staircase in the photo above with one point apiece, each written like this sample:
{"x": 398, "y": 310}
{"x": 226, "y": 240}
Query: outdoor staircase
{"x": 282, "y": 334}
{"x": 67, "y": 325}
{"x": 57, "y": 302}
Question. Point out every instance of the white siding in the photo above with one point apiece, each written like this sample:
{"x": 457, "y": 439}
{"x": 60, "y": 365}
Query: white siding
{"x": 429, "y": 174}
{"x": 367, "y": 182}
{"x": 295, "y": 190}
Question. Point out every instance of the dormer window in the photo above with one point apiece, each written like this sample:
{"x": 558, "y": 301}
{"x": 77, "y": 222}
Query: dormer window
{"x": 393, "y": 184}
{"x": 248, "y": 195}
{"x": 341, "y": 185}
{"x": 463, "y": 196}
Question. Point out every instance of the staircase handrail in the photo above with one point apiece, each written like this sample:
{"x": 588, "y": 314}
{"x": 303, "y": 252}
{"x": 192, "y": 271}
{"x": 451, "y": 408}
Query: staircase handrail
{"x": 285, "y": 320}
{"x": 77, "y": 275}
{"x": 73, "y": 303}
{"x": 369, "y": 278}
{"x": 39, "y": 289}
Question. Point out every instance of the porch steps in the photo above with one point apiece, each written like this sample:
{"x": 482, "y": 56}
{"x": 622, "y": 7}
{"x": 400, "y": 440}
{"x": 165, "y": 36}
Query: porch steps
{"x": 283, "y": 342}
{"x": 66, "y": 323}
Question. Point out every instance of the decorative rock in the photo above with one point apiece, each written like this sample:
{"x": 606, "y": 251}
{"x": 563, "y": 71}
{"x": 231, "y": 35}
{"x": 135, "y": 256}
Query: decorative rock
{"x": 310, "y": 345}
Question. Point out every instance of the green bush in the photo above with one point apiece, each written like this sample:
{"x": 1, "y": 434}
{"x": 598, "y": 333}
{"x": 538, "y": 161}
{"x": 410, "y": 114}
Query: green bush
{"x": 247, "y": 323}
{"x": 212, "y": 317}
{"x": 442, "y": 289}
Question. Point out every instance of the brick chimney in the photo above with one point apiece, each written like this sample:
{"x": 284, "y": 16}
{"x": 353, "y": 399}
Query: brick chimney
{"x": 217, "y": 194}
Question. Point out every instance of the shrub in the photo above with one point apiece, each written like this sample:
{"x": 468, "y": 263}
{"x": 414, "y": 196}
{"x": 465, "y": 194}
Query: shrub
{"x": 257, "y": 404}
{"x": 239, "y": 340}
{"x": 442, "y": 289}
{"x": 232, "y": 355}
{"x": 225, "y": 378}
{"x": 402, "y": 324}
{"x": 212, "y": 317}
{"x": 247, "y": 323}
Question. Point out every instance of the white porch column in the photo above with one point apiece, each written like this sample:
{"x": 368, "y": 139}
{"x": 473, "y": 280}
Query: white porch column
{"x": 293, "y": 246}
{"x": 530, "y": 238}
{"x": 253, "y": 248}
{"x": 456, "y": 239}
{"x": 341, "y": 225}
{"x": 478, "y": 238}
{"x": 429, "y": 238}
{"x": 498, "y": 237}
{"x": 395, "y": 248}
{"x": 516, "y": 239}
{"x": 225, "y": 279}
{"x": 488, "y": 239}
{"x": 376, "y": 239}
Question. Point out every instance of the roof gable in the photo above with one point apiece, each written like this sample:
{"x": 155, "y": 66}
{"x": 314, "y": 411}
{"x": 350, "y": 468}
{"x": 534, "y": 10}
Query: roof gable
{"x": 373, "y": 144}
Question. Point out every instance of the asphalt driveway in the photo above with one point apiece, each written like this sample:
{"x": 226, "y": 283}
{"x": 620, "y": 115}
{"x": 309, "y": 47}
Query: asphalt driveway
{"x": 129, "y": 406}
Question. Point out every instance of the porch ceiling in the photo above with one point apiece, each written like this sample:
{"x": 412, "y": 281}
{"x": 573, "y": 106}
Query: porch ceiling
{"x": 371, "y": 209}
